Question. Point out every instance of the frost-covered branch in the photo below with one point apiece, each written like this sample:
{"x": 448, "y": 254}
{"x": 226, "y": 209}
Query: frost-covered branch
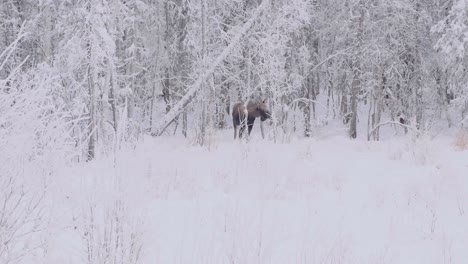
{"x": 390, "y": 123}
{"x": 6, "y": 53}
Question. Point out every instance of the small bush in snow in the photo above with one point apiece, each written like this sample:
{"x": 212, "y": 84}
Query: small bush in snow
{"x": 461, "y": 139}
{"x": 22, "y": 219}
{"x": 110, "y": 236}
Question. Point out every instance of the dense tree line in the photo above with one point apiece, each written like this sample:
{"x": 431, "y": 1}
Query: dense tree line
{"x": 102, "y": 73}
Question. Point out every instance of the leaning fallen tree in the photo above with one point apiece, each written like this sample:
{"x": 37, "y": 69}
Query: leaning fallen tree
{"x": 196, "y": 86}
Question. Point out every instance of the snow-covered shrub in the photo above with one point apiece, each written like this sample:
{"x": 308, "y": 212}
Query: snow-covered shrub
{"x": 416, "y": 148}
{"x": 395, "y": 151}
{"x": 23, "y": 217}
{"x": 34, "y": 139}
{"x": 33, "y": 124}
{"x": 461, "y": 139}
{"x": 206, "y": 138}
{"x": 110, "y": 235}
{"x": 422, "y": 149}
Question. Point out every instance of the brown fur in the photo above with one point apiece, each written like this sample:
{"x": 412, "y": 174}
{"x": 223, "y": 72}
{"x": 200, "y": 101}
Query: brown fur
{"x": 245, "y": 116}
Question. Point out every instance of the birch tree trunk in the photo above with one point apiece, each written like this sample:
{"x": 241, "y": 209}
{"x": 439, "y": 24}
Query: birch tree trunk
{"x": 378, "y": 104}
{"x": 92, "y": 126}
{"x": 155, "y": 71}
{"x": 204, "y": 99}
{"x": 419, "y": 86}
{"x": 166, "y": 83}
{"x": 308, "y": 105}
{"x": 357, "y": 72}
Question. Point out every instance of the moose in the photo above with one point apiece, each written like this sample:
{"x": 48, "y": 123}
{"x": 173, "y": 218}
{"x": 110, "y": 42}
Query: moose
{"x": 245, "y": 116}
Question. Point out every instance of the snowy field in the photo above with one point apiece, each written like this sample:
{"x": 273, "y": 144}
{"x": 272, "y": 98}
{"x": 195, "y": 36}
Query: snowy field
{"x": 83, "y": 83}
{"x": 322, "y": 200}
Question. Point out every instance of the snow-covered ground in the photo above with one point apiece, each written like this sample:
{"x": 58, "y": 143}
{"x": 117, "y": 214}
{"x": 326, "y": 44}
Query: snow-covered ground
{"x": 322, "y": 200}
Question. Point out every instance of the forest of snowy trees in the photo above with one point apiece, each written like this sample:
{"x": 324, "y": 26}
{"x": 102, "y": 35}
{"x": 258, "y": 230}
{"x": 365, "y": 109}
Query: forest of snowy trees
{"x": 96, "y": 73}
{"x": 82, "y": 79}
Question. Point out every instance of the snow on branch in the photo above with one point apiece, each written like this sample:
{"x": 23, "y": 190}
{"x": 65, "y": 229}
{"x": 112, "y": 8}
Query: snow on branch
{"x": 178, "y": 108}
{"x": 389, "y": 123}
{"x": 12, "y": 47}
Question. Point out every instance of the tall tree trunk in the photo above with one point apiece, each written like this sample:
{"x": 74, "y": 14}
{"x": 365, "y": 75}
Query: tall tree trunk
{"x": 343, "y": 99}
{"x": 92, "y": 126}
{"x": 357, "y": 73}
{"x": 184, "y": 124}
{"x": 155, "y": 71}
{"x": 446, "y": 98}
{"x": 47, "y": 45}
{"x": 344, "y": 107}
{"x": 92, "y": 117}
{"x": 378, "y": 103}
{"x": 112, "y": 99}
{"x": 223, "y": 104}
{"x": 308, "y": 106}
{"x": 330, "y": 88}
{"x": 419, "y": 86}
{"x": 166, "y": 83}
{"x": 355, "y": 87}
{"x": 204, "y": 94}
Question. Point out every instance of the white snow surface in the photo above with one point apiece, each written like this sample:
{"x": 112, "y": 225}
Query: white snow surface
{"x": 327, "y": 199}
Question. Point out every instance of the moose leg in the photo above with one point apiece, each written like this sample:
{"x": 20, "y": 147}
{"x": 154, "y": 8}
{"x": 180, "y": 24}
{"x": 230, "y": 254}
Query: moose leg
{"x": 236, "y": 122}
{"x": 250, "y": 124}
